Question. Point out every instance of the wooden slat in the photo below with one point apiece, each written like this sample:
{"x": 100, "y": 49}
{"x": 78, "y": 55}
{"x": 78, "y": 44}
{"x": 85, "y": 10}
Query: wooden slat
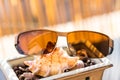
{"x": 62, "y": 12}
{"x": 29, "y": 19}
{"x": 86, "y": 8}
{"x": 77, "y": 10}
{"x": 50, "y": 8}
{"x": 21, "y": 16}
{"x": 117, "y": 4}
{"x": 1, "y": 14}
{"x": 109, "y": 5}
{"x": 70, "y": 9}
{"x": 4, "y": 20}
{"x": 13, "y": 16}
{"x": 38, "y": 13}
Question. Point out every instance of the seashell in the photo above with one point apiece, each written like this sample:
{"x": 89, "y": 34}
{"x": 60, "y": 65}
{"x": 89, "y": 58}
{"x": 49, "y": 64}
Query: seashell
{"x": 53, "y": 63}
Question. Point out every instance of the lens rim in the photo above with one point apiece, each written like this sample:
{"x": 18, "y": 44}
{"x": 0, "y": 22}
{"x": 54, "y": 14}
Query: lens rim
{"x": 110, "y": 41}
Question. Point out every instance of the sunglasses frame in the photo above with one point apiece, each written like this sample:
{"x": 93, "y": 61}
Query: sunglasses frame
{"x": 111, "y": 42}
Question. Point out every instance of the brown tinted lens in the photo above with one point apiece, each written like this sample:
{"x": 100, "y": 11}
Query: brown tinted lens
{"x": 90, "y": 41}
{"x": 34, "y": 42}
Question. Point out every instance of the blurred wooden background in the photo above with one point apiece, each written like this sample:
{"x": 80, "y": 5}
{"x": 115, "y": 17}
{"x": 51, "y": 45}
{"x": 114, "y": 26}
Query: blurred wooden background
{"x": 96, "y": 15}
{"x": 20, "y": 15}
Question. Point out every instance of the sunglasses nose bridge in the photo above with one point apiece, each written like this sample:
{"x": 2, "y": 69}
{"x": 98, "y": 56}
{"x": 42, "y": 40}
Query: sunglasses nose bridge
{"x": 62, "y": 33}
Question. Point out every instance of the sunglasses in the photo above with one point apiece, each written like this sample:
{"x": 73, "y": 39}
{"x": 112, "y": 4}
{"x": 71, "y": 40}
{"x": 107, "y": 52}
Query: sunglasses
{"x": 44, "y": 41}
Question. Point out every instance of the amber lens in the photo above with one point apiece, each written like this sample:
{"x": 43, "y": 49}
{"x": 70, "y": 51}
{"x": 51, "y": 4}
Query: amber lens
{"x": 91, "y": 41}
{"x": 37, "y": 41}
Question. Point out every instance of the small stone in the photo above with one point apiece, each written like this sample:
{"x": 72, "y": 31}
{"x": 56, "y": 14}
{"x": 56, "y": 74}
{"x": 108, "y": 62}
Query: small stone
{"x": 88, "y": 61}
{"x": 15, "y": 68}
{"x": 27, "y": 70}
{"x": 22, "y": 69}
{"x": 85, "y": 64}
{"x": 85, "y": 59}
{"x": 29, "y": 79}
{"x": 93, "y": 63}
{"x": 22, "y": 65}
{"x": 18, "y": 72}
{"x": 21, "y": 77}
{"x": 66, "y": 70}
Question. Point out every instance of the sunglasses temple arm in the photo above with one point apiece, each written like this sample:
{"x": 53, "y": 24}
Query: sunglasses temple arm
{"x": 111, "y": 44}
{"x": 16, "y": 39}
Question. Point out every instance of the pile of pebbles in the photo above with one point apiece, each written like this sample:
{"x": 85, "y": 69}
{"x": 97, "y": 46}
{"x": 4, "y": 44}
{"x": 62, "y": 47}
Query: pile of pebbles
{"x": 88, "y": 62}
{"x": 23, "y": 73}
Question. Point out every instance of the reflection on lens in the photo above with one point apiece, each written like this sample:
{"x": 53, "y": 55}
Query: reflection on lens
{"x": 86, "y": 49}
{"x": 37, "y": 41}
{"x": 89, "y": 40}
{"x": 49, "y": 48}
{"x": 82, "y": 54}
